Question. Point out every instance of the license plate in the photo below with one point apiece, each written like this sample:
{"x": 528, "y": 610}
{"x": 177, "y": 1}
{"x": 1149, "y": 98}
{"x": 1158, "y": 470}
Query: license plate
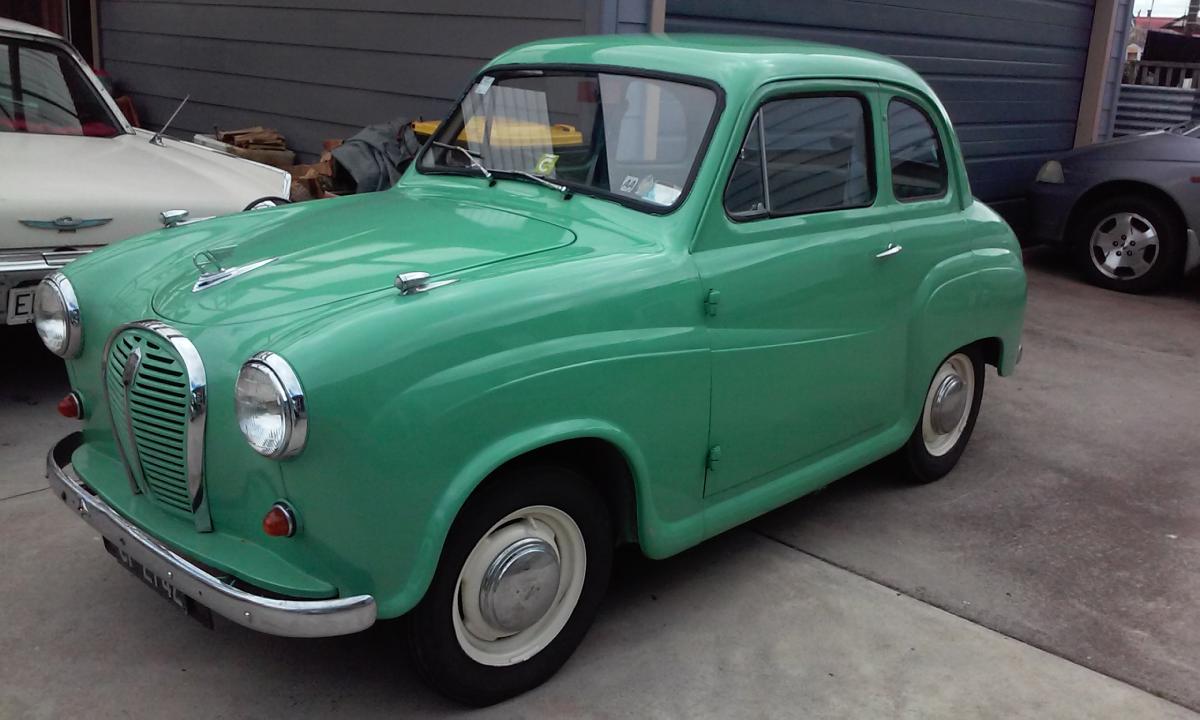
{"x": 20, "y": 305}
{"x": 163, "y": 587}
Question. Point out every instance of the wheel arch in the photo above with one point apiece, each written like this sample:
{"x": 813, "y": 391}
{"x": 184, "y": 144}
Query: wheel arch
{"x": 617, "y": 469}
{"x": 598, "y": 460}
{"x": 991, "y": 349}
{"x": 1116, "y": 188}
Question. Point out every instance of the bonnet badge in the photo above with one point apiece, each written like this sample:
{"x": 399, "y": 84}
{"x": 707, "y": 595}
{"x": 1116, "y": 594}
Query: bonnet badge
{"x": 210, "y": 263}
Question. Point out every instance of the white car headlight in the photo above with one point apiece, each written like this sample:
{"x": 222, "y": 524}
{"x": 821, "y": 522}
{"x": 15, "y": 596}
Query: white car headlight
{"x": 56, "y": 316}
{"x": 1051, "y": 172}
{"x": 270, "y": 406}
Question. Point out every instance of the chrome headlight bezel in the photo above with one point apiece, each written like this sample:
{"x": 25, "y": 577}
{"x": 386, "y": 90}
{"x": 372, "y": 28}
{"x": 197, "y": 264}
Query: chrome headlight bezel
{"x": 58, "y": 288}
{"x": 292, "y": 408}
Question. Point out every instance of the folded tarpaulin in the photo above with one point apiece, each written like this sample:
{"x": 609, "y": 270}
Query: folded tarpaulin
{"x": 377, "y": 155}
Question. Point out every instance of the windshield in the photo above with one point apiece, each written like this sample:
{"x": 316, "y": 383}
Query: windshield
{"x": 43, "y": 90}
{"x": 629, "y": 138}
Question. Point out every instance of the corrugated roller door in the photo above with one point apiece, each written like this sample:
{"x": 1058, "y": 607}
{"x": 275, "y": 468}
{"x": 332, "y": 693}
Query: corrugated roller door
{"x": 1009, "y": 71}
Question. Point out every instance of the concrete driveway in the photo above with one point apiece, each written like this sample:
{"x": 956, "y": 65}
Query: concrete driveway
{"x": 1056, "y": 573}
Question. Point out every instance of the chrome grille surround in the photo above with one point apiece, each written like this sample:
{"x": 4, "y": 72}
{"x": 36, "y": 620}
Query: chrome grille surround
{"x": 156, "y": 393}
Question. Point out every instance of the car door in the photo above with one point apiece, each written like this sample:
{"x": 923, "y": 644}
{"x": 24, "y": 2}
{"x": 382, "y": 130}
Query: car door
{"x": 795, "y": 255}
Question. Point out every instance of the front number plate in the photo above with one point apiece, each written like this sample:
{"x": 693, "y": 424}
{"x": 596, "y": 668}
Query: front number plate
{"x": 20, "y": 305}
{"x": 162, "y": 586}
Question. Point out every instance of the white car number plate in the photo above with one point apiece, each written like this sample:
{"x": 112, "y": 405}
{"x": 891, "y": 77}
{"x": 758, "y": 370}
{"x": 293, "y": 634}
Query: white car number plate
{"x": 20, "y": 305}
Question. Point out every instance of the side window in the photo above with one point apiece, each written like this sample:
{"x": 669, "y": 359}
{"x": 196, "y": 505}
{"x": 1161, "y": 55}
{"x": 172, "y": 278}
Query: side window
{"x": 817, "y": 155}
{"x": 918, "y": 164}
{"x": 744, "y": 195}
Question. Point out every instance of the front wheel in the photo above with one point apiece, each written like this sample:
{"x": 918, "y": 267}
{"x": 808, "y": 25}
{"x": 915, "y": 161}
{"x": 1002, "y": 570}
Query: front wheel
{"x": 520, "y": 580}
{"x": 947, "y": 417}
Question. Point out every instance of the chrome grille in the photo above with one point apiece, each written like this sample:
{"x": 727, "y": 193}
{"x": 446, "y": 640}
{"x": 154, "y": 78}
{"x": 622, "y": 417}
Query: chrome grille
{"x": 148, "y": 394}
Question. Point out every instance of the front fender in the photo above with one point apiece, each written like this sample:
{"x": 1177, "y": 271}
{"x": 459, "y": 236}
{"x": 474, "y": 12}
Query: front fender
{"x": 489, "y": 459}
{"x": 420, "y": 398}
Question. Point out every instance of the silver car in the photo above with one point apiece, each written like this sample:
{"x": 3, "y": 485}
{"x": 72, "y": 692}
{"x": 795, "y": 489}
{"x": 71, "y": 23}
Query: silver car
{"x": 1127, "y": 210}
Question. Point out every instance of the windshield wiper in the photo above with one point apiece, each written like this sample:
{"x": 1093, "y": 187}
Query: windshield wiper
{"x": 567, "y": 193}
{"x": 470, "y": 159}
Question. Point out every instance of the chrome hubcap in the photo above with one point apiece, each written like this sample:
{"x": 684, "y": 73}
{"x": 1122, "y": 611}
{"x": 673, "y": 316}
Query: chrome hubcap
{"x": 520, "y": 585}
{"x": 949, "y": 404}
{"x": 1124, "y": 246}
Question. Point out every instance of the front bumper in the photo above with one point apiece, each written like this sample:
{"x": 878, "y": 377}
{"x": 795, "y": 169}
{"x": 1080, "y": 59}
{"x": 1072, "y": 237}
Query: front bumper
{"x": 291, "y": 618}
{"x": 29, "y": 266}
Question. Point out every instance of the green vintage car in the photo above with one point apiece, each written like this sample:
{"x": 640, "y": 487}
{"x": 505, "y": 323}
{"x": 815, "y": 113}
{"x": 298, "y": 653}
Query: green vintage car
{"x": 633, "y": 290}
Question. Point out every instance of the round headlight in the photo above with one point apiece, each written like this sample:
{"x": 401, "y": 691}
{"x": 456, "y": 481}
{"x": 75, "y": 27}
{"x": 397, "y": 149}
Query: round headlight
{"x": 270, "y": 406}
{"x": 56, "y": 316}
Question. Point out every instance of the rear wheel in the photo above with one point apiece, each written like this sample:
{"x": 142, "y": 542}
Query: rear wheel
{"x": 947, "y": 417}
{"x": 520, "y": 579}
{"x": 1129, "y": 243}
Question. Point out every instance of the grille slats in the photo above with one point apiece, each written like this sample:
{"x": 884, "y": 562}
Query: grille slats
{"x": 141, "y": 407}
{"x": 158, "y": 398}
{"x": 157, "y": 402}
{"x": 162, "y": 450}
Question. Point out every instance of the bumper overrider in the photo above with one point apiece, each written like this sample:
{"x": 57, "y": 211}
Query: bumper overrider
{"x": 291, "y": 618}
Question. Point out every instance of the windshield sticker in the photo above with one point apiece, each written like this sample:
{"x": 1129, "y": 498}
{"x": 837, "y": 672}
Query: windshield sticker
{"x": 545, "y": 164}
{"x": 629, "y": 184}
{"x": 662, "y": 194}
{"x": 485, "y": 84}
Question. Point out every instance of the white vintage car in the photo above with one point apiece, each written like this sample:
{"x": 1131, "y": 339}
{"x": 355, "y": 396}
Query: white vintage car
{"x": 75, "y": 176}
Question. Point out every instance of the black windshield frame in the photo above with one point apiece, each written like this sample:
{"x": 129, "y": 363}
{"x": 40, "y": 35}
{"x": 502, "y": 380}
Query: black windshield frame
{"x": 498, "y": 71}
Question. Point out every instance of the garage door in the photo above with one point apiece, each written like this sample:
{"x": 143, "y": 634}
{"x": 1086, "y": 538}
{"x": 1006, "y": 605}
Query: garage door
{"x": 1009, "y": 71}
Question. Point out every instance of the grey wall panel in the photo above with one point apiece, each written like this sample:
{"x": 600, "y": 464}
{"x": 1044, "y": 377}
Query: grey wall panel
{"x": 316, "y": 69}
{"x": 633, "y": 16}
{"x": 1009, "y": 71}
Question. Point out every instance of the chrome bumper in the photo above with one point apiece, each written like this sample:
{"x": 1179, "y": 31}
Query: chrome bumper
{"x": 38, "y": 261}
{"x": 291, "y": 618}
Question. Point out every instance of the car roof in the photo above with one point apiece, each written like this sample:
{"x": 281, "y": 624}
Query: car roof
{"x": 12, "y": 26}
{"x": 732, "y": 61}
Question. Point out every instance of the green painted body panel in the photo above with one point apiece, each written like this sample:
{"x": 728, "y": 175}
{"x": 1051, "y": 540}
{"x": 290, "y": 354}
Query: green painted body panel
{"x": 577, "y": 318}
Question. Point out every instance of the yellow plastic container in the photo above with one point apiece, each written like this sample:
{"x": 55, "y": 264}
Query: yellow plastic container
{"x": 507, "y": 132}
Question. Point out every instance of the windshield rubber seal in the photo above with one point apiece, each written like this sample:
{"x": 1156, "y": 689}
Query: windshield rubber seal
{"x": 634, "y": 203}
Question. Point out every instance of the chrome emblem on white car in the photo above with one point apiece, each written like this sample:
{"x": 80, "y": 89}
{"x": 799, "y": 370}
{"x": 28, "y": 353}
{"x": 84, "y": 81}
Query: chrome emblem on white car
{"x": 66, "y": 223}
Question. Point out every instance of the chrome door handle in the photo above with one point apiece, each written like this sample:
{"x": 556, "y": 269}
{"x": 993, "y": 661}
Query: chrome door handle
{"x": 892, "y": 249}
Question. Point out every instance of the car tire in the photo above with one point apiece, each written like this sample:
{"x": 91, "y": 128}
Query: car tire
{"x": 944, "y": 428}
{"x": 458, "y": 633}
{"x": 1098, "y": 243}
